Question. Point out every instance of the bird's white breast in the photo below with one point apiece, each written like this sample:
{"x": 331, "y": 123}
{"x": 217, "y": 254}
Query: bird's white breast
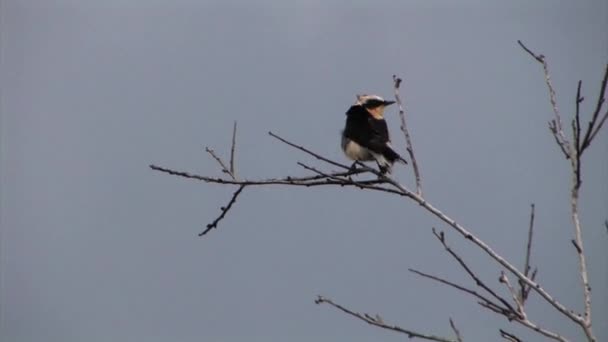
{"x": 355, "y": 151}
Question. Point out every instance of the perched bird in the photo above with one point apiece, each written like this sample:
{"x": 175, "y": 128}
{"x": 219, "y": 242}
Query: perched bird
{"x": 365, "y": 136}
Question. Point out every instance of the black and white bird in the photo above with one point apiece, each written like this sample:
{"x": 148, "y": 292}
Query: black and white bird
{"x": 365, "y": 136}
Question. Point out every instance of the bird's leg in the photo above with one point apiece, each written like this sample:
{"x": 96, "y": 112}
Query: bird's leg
{"x": 353, "y": 167}
{"x": 384, "y": 169}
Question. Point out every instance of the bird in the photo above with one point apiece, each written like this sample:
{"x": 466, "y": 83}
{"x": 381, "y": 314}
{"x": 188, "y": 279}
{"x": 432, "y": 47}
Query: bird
{"x": 365, "y": 136}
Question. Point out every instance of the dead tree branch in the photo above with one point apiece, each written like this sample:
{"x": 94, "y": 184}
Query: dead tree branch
{"x": 224, "y": 211}
{"x": 320, "y": 180}
{"x": 574, "y": 151}
{"x": 484, "y": 301}
{"x": 505, "y": 309}
{"x": 495, "y": 307}
{"x": 441, "y": 237}
{"x": 555, "y": 125}
{"x": 594, "y": 125}
{"x": 379, "y": 322}
{"x": 410, "y": 149}
{"x": 385, "y": 183}
{"x": 520, "y": 308}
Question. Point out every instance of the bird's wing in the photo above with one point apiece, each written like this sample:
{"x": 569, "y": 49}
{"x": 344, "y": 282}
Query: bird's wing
{"x": 380, "y": 141}
{"x": 379, "y": 136}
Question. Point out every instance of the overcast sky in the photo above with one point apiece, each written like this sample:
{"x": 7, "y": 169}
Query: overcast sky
{"x": 95, "y": 246}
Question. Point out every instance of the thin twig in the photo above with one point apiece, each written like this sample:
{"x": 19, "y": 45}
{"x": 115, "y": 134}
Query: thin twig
{"x": 550, "y": 334}
{"x": 509, "y": 337}
{"x": 484, "y": 301}
{"x": 379, "y": 322}
{"x": 309, "y": 152}
{"x": 594, "y": 126}
{"x": 576, "y": 131}
{"x": 219, "y": 161}
{"x": 410, "y": 149}
{"x": 224, "y": 211}
{"x": 555, "y": 125}
{"x": 520, "y": 308}
{"x": 232, "y": 151}
{"x": 488, "y": 304}
{"x": 441, "y": 237}
{"x": 456, "y": 331}
{"x": 524, "y": 290}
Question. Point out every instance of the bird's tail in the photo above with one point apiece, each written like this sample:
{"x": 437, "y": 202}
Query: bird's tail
{"x": 393, "y": 156}
{"x": 387, "y": 159}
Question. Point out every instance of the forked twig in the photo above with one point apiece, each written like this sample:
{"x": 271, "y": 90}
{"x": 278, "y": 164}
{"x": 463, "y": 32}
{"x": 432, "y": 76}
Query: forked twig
{"x": 594, "y": 125}
{"x": 484, "y": 301}
{"x": 555, "y": 125}
{"x": 379, "y": 322}
{"x": 441, "y": 237}
{"x": 520, "y": 308}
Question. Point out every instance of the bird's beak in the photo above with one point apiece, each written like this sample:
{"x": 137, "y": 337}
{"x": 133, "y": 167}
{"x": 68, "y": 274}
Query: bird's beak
{"x": 388, "y": 103}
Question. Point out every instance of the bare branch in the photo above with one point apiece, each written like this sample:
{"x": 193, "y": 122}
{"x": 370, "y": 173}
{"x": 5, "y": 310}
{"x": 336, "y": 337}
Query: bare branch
{"x": 379, "y": 322}
{"x": 485, "y": 301}
{"x": 574, "y": 153}
{"x": 542, "y": 331}
{"x": 307, "y": 181}
{"x": 576, "y": 129}
{"x": 441, "y": 237}
{"x": 224, "y": 211}
{"x": 555, "y": 125}
{"x": 410, "y": 149}
{"x": 593, "y": 126}
{"x": 539, "y": 58}
{"x": 520, "y": 308}
{"x": 524, "y": 290}
{"x": 509, "y": 337}
{"x": 562, "y": 146}
{"x": 578, "y": 244}
{"x": 345, "y": 179}
{"x": 488, "y": 304}
{"x": 598, "y": 127}
{"x": 309, "y": 152}
{"x": 232, "y": 151}
{"x": 456, "y": 331}
{"x": 320, "y": 180}
{"x": 219, "y": 161}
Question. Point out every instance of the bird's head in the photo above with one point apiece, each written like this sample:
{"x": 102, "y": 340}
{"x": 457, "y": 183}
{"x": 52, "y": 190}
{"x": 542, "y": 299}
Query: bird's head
{"x": 374, "y": 104}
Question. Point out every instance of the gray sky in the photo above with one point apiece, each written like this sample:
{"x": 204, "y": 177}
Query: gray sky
{"x": 94, "y": 246}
